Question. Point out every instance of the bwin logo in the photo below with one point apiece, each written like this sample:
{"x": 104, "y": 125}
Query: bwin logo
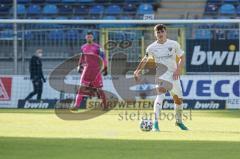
{"x": 214, "y": 57}
{"x": 36, "y": 105}
{"x": 211, "y": 105}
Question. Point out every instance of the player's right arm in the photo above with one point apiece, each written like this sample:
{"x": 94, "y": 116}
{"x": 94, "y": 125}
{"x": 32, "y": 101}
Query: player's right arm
{"x": 80, "y": 62}
{"x": 143, "y": 63}
{"x": 140, "y": 67}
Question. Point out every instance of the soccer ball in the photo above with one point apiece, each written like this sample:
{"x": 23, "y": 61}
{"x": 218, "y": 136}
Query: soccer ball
{"x": 146, "y": 125}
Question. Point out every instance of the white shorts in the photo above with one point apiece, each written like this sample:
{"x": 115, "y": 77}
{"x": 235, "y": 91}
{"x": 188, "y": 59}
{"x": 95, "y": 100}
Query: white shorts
{"x": 176, "y": 84}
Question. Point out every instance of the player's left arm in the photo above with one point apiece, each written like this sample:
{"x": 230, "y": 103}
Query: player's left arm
{"x": 180, "y": 63}
{"x": 41, "y": 74}
{"x": 104, "y": 61}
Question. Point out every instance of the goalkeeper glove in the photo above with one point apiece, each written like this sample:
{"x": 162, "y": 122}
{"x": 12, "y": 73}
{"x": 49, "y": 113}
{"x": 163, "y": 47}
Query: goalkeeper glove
{"x": 105, "y": 72}
{"x": 80, "y": 69}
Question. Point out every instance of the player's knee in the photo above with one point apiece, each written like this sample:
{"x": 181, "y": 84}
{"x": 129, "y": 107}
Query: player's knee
{"x": 83, "y": 89}
{"x": 177, "y": 100}
{"x": 161, "y": 90}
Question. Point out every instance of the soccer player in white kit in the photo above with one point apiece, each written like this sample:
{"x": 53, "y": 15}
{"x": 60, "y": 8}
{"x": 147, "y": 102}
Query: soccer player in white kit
{"x": 164, "y": 51}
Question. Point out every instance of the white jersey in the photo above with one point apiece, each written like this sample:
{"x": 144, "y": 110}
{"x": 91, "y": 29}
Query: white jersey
{"x": 165, "y": 53}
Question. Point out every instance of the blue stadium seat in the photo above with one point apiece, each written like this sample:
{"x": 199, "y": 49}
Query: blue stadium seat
{"x": 129, "y": 7}
{"x": 145, "y": 9}
{"x": 81, "y": 10}
{"x": 53, "y": 1}
{"x": 204, "y": 26}
{"x": 220, "y": 34}
{"x": 6, "y": 34}
{"x": 211, "y": 8}
{"x": 96, "y": 9}
{"x": 227, "y": 9}
{"x": 72, "y": 34}
{"x": 28, "y": 35}
{"x": 77, "y": 17}
{"x": 23, "y": 1}
{"x": 50, "y": 9}
{"x": 6, "y": 26}
{"x": 34, "y": 9}
{"x": 109, "y": 17}
{"x": 21, "y": 9}
{"x": 4, "y": 9}
{"x": 233, "y": 34}
{"x": 238, "y": 9}
{"x": 113, "y": 9}
{"x": 56, "y": 35}
{"x": 65, "y": 9}
{"x": 203, "y": 34}
{"x": 69, "y": 1}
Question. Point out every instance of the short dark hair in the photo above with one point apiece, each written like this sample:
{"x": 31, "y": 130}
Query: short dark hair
{"x": 160, "y": 27}
{"x": 89, "y": 33}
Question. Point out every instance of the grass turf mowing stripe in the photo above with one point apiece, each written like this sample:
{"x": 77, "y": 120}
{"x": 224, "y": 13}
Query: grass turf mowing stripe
{"x": 42, "y": 148}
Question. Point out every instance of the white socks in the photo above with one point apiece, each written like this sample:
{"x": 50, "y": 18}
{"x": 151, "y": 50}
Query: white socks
{"x": 158, "y": 105}
{"x": 178, "y": 112}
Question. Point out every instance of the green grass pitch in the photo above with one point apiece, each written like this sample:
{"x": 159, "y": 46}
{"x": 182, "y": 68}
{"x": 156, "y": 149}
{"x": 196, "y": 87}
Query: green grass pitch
{"x": 41, "y": 134}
